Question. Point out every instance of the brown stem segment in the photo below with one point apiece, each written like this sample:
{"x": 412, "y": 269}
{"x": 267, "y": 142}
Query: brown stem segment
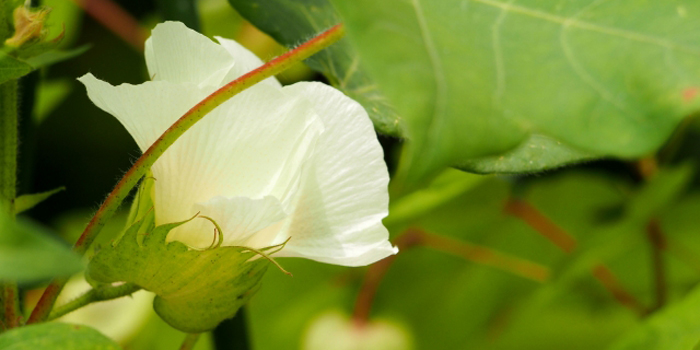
{"x": 375, "y": 275}
{"x": 658, "y": 245}
{"x": 117, "y": 20}
{"x": 567, "y": 243}
{"x": 196, "y": 113}
{"x": 606, "y": 277}
{"x": 542, "y": 224}
{"x": 472, "y": 252}
{"x": 486, "y": 256}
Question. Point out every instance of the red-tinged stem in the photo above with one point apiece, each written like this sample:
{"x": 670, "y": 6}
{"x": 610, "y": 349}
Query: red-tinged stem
{"x": 542, "y": 224}
{"x": 566, "y": 242}
{"x": 606, "y": 277}
{"x": 117, "y": 20}
{"x": 375, "y": 275}
{"x": 190, "y": 341}
{"x": 487, "y": 256}
{"x": 658, "y": 245}
{"x": 472, "y": 252}
{"x": 196, "y": 113}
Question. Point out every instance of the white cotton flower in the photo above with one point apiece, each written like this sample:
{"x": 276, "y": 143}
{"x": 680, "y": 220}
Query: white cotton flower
{"x": 273, "y": 163}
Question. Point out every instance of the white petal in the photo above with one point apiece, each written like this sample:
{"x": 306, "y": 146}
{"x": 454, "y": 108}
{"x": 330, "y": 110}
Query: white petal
{"x": 254, "y": 145}
{"x": 245, "y": 60}
{"x": 145, "y": 110}
{"x": 178, "y": 54}
{"x": 337, "y": 218}
{"x": 238, "y": 217}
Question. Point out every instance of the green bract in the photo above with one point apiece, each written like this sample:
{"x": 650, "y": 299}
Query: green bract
{"x": 195, "y": 289}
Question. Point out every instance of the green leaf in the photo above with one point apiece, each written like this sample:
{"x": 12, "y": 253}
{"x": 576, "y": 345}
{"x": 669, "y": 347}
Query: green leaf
{"x": 55, "y": 56}
{"x": 477, "y": 78}
{"x": 292, "y": 22}
{"x": 55, "y": 336}
{"x": 29, "y": 201}
{"x": 195, "y": 290}
{"x": 538, "y": 153}
{"x": 675, "y": 328}
{"x": 29, "y": 254}
{"x": 12, "y": 68}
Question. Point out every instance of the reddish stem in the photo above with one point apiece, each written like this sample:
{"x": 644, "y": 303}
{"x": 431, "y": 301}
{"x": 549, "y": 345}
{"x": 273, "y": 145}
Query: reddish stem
{"x": 375, "y": 274}
{"x": 658, "y": 245}
{"x": 542, "y": 224}
{"x": 566, "y": 242}
{"x": 116, "y": 19}
{"x": 606, "y": 277}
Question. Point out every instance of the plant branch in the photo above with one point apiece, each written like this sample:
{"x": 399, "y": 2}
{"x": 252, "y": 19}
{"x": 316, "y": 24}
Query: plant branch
{"x": 472, "y": 252}
{"x": 93, "y": 296}
{"x": 190, "y": 341}
{"x": 567, "y": 243}
{"x": 375, "y": 274}
{"x": 116, "y": 20}
{"x": 658, "y": 245}
{"x": 489, "y": 257}
{"x": 606, "y": 277}
{"x": 196, "y": 113}
{"x": 542, "y": 224}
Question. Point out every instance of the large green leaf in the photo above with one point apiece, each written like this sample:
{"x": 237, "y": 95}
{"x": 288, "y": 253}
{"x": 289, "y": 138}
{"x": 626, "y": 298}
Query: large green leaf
{"x": 56, "y": 336}
{"x": 476, "y": 78}
{"x": 29, "y": 254}
{"x": 291, "y": 22}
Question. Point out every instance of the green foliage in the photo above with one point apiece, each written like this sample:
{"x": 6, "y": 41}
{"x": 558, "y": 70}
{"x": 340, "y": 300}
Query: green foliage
{"x": 675, "y": 328}
{"x": 13, "y": 68}
{"x": 477, "y": 78}
{"x": 293, "y": 22}
{"x": 195, "y": 290}
{"x": 56, "y": 336}
{"x": 29, "y": 201}
{"x": 21, "y": 242}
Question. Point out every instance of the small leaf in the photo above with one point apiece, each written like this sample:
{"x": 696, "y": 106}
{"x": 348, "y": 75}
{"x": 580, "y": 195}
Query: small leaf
{"x": 292, "y": 22}
{"x": 55, "y": 336}
{"x": 29, "y": 254}
{"x": 29, "y": 201}
{"x": 675, "y": 328}
{"x": 195, "y": 290}
{"x": 12, "y": 68}
{"x": 55, "y": 56}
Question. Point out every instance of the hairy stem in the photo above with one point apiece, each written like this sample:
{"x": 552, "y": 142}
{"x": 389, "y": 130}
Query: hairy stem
{"x": 190, "y": 341}
{"x": 94, "y": 295}
{"x": 196, "y": 113}
{"x": 10, "y": 314}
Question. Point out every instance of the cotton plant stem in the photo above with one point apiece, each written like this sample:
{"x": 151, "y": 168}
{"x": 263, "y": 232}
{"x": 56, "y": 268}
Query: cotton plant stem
{"x": 375, "y": 274}
{"x": 471, "y": 252}
{"x": 190, "y": 341}
{"x": 567, "y": 243}
{"x": 92, "y": 296}
{"x": 487, "y": 256}
{"x": 658, "y": 245}
{"x": 9, "y": 294}
{"x": 116, "y": 20}
{"x": 144, "y": 163}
